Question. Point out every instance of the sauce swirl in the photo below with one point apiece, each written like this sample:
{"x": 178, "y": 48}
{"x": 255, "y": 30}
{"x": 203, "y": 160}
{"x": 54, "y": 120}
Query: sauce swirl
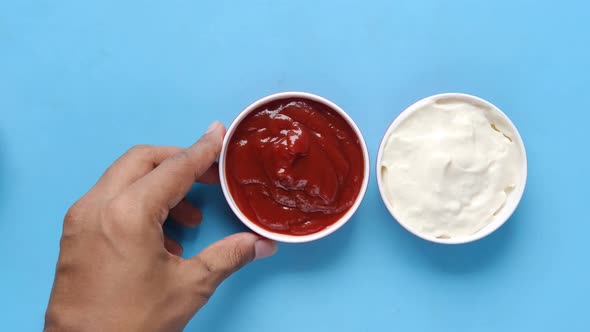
{"x": 294, "y": 166}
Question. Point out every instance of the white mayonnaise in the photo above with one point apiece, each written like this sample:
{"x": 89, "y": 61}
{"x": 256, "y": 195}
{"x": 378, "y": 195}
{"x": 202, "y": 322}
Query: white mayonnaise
{"x": 449, "y": 167}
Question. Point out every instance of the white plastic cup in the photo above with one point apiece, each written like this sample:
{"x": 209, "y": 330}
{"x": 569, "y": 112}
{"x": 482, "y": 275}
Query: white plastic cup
{"x": 279, "y": 236}
{"x": 513, "y": 199}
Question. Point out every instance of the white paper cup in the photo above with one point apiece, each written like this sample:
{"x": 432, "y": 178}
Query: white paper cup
{"x": 279, "y": 236}
{"x": 512, "y": 200}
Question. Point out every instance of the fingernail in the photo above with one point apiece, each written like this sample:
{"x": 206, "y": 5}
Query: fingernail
{"x": 213, "y": 127}
{"x": 264, "y": 248}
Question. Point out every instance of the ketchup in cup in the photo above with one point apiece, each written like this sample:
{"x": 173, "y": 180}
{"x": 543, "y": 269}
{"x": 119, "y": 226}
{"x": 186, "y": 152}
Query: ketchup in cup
{"x": 294, "y": 166}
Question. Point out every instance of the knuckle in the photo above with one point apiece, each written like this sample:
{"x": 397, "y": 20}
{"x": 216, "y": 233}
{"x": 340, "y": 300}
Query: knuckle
{"x": 74, "y": 214}
{"x": 141, "y": 150}
{"x": 209, "y": 150}
{"x": 181, "y": 156}
{"x": 123, "y": 217}
{"x": 117, "y": 208}
{"x": 236, "y": 258}
{"x": 123, "y": 211}
{"x": 205, "y": 266}
{"x": 183, "y": 161}
{"x": 139, "y": 208}
{"x": 76, "y": 224}
{"x": 118, "y": 215}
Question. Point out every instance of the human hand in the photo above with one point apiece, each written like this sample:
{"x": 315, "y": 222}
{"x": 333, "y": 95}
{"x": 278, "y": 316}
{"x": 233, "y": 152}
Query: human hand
{"x": 117, "y": 271}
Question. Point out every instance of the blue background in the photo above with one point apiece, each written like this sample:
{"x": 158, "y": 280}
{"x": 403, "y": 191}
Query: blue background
{"x": 81, "y": 81}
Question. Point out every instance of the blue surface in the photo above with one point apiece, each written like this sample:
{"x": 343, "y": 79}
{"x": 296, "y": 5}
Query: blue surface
{"x": 81, "y": 81}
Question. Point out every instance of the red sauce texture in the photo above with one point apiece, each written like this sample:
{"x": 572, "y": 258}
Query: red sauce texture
{"x": 294, "y": 166}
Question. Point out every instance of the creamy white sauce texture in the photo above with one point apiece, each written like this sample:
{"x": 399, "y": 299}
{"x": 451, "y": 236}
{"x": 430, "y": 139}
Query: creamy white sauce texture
{"x": 449, "y": 167}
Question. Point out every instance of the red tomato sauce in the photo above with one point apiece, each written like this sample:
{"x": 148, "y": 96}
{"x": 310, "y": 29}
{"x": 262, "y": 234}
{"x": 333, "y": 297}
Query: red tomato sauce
{"x": 294, "y": 166}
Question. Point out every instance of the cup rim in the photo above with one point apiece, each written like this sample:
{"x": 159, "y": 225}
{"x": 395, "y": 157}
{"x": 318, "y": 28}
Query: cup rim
{"x": 286, "y": 237}
{"x": 517, "y": 193}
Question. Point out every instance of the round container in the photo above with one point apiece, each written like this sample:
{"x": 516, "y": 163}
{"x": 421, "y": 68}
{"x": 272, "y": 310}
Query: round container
{"x": 286, "y": 237}
{"x": 512, "y": 200}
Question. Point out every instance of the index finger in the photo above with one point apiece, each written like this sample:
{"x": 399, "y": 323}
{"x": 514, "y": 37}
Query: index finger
{"x": 168, "y": 183}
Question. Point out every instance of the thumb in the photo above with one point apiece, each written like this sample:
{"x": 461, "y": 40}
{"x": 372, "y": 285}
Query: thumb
{"x": 226, "y": 256}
